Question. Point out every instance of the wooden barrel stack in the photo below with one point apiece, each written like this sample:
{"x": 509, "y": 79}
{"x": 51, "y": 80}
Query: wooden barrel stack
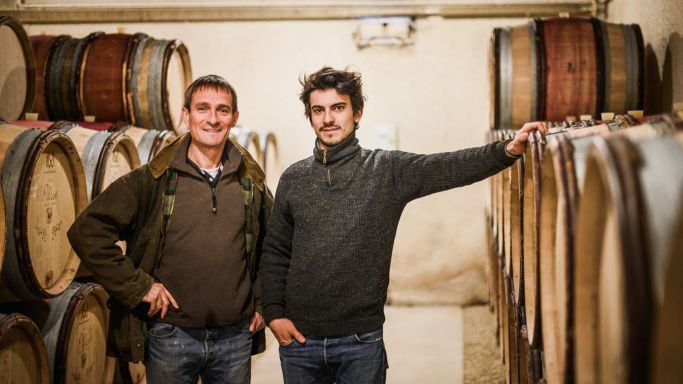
{"x": 52, "y": 167}
{"x": 548, "y": 69}
{"x": 17, "y": 70}
{"x": 116, "y": 77}
{"x": 597, "y": 207}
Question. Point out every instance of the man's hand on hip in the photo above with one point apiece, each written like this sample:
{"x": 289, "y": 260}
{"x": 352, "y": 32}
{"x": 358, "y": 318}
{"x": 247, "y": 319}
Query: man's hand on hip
{"x": 256, "y": 323}
{"x": 159, "y": 298}
{"x": 517, "y": 146}
{"x": 285, "y": 331}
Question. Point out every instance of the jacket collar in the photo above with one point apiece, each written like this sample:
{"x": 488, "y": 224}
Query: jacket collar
{"x": 346, "y": 148}
{"x": 247, "y": 168}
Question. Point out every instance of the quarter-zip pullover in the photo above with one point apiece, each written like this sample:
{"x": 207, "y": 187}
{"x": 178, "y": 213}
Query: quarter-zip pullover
{"x": 328, "y": 249}
{"x": 203, "y": 255}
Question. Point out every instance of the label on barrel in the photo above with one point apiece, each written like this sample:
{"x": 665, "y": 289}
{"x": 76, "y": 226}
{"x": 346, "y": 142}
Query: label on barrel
{"x": 50, "y": 212}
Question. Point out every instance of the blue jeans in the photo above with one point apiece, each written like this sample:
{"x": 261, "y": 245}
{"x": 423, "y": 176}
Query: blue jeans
{"x": 354, "y": 359}
{"x": 182, "y": 355}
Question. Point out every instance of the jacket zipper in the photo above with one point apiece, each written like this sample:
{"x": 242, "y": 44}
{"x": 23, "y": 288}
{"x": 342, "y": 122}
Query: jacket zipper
{"x": 327, "y": 167}
{"x": 213, "y": 200}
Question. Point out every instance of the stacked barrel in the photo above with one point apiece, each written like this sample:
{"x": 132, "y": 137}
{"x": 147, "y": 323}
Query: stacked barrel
{"x": 113, "y": 77}
{"x": 53, "y": 329}
{"x": 585, "y": 228}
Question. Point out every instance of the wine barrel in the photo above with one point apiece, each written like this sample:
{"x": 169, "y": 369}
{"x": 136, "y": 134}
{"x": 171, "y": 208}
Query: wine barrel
{"x": 667, "y": 346}
{"x": 106, "y": 156}
{"x": 269, "y": 154}
{"x": 562, "y": 168}
{"x": 531, "y": 191}
{"x": 249, "y": 140}
{"x": 43, "y": 48}
{"x": 550, "y": 68}
{"x": 148, "y": 141}
{"x": 74, "y": 328}
{"x": 23, "y": 358}
{"x": 63, "y": 77}
{"x": 513, "y": 195}
{"x": 44, "y": 190}
{"x": 625, "y": 227}
{"x": 17, "y": 70}
{"x": 160, "y": 73}
{"x": 103, "y": 86}
{"x": 672, "y": 74}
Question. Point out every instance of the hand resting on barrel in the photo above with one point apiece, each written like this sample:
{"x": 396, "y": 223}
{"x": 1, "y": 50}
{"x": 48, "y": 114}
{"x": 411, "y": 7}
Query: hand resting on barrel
{"x": 517, "y": 145}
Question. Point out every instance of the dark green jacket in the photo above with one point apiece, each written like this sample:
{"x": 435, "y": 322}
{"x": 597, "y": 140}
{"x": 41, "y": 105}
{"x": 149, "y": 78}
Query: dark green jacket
{"x": 130, "y": 209}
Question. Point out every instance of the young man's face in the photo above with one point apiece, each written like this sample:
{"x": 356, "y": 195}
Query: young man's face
{"x": 210, "y": 117}
{"x": 332, "y": 117}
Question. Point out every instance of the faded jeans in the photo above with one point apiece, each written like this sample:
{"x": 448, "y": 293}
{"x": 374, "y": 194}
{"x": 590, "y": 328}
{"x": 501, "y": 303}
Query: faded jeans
{"x": 182, "y": 355}
{"x": 354, "y": 359}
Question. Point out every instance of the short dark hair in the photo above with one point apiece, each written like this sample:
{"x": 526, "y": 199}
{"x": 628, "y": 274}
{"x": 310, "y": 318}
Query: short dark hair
{"x": 344, "y": 81}
{"x": 214, "y": 82}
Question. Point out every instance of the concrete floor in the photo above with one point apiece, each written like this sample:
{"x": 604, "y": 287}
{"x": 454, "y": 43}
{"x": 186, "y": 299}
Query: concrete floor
{"x": 424, "y": 345}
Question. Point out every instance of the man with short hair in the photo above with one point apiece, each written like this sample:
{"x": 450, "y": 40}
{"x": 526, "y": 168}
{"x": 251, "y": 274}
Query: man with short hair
{"x": 325, "y": 268}
{"x": 194, "y": 221}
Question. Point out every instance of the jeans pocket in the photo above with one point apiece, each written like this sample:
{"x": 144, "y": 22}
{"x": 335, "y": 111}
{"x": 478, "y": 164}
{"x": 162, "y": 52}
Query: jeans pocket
{"x": 369, "y": 337}
{"x": 161, "y": 330}
{"x": 291, "y": 344}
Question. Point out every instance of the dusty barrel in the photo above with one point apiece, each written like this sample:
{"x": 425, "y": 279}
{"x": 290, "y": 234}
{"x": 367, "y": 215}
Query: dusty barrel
{"x": 148, "y": 141}
{"x": 623, "y": 243}
{"x": 23, "y": 358}
{"x": 44, "y": 190}
{"x": 548, "y": 69}
{"x": 160, "y": 73}
{"x": 672, "y": 74}
{"x": 269, "y": 154}
{"x": 43, "y": 48}
{"x": 74, "y": 328}
{"x": 104, "y": 87}
{"x": 531, "y": 191}
{"x": 63, "y": 77}
{"x": 562, "y": 171}
{"x": 667, "y": 345}
{"x": 249, "y": 140}
{"x": 106, "y": 156}
{"x": 513, "y": 195}
{"x": 17, "y": 70}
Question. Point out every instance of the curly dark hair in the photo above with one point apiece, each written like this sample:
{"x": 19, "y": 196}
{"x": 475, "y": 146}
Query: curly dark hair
{"x": 211, "y": 82}
{"x": 344, "y": 81}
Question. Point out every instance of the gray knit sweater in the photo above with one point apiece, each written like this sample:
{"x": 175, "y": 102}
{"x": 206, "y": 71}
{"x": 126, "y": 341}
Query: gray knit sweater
{"x": 328, "y": 249}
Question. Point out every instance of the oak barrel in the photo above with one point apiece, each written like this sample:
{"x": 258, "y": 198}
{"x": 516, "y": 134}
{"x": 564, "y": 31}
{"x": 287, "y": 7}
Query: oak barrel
{"x": 44, "y": 189}
{"x": 23, "y": 358}
{"x": 63, "y": 77}
{"x": 249, "y": 140}
{"x": 550, "y": 68}
{"x": 148, "y": 141}
{"x": 17, "y": 70}
{"x": 160, "y": 73}
{"x": 43, "y": 48}
{"x": 562, "y": 168}
{"x": 106, "y": 156}
{"x": 625, "y": 231}
{"x": 104, "y": 86}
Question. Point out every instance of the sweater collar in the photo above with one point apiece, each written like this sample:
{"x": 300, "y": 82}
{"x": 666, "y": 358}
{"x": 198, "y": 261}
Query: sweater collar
{"x": 332, "y": 154}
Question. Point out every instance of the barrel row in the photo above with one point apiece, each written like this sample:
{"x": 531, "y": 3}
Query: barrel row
{"x": 50, "y": 172}
{"x": 551, "y": 68}
{"x": 131, "y": 78}
{"x": 113, "y": 77}
{"x": 61, "y": 340}
{"x": 584, "y": 256}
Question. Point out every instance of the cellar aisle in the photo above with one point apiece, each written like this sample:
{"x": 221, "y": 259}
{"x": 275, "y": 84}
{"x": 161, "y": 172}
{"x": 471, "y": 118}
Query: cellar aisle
{"x": 424, "y": 345}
